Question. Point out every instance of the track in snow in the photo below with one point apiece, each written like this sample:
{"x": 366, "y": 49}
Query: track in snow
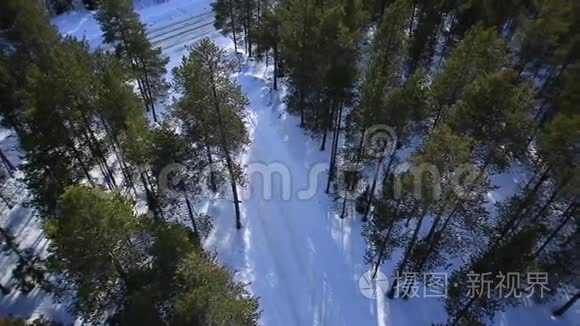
{"x": 161, "y": 34}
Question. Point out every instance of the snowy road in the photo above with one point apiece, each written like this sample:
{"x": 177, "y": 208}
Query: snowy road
{"x": 302, "y": 261}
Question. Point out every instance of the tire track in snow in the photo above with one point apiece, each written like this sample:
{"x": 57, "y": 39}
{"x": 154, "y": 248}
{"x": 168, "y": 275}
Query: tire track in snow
{"x": 160, "y": 31}
{"x": 275, "y": 220}
{"x": 181, "y": 30}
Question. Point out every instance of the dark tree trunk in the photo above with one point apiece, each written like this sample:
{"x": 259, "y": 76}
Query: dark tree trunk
{"x": 233, "y": 26}
{"x": 464, "y": 310}
{"x": 562, "y": 310}
{"x": 5, "y": 200}
{"x": 375, "y": 180}
{"x": 411, "y": 21}
{"x": 335, "y": 139}
{"x": 190, "y": 211}
{"x": 276, "y": 66}
{"x": 403, "y": 265}
{"x": 226, "y": 151}
{"x": 9, "y": 166}
{"x": 210, "y": 161}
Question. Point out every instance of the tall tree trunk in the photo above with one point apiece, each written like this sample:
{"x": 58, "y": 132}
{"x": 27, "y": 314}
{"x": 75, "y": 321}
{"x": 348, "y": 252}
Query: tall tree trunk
{"x": 335, "y": 139}
{"x": 190, "y": 211}
{"x": 152, "y": 198}
{"x": 148, "y": 88}
{"x": 463, "y": 311}
{"x": 249, "y": 28}
{"x": 327, "y": 126}
{"x": 384, "y": 242}
{"x": 521, "y": 208}
{"x": 4, "y": 290}
{"x": 568, "y": 214}
{"x": 410, "y": 246}
{"x": 132, "y": 62}
{"x": 9, "y": 166}
{"x": 412, "y": 19}
{"x": 5, "y": 200}
{"x": 233, "y": 22}
{"x": 78, "y": 157}
{"x": 562, "y": 310}
{"x": 276, "y": 66}
{"x": 212, "y": 180}
{"x": 375, "y": 180}
{"x": 100, "y": 152}
{"x": 225, "y": 149}
{"x": 117, "y": 151}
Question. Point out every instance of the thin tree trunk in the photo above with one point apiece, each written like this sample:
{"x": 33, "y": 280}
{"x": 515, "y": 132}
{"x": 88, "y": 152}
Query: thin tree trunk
{"x": 384, "y": 242}
{"x": 568, "y": 214}
{"x": 148, "y": 89}
{"x": 410, "y": 246}
{"x": 411, "y": 21}
{"x": 276, "y": 66}
{"x": 562, "y": 310}
{"x": 335, "y": 139}
{"x": 233, "y": 26}
{"x": 78, "y": 157}
{"x": 100, "y": 152}
{"x": 210, "y": 161}
{"x": 5, "y": 200}
{"x": 229, "y": 161}
{"x": 114, "y": 145}
{"x": 327, "y": 126}
{"x": 190, "y": 211}
{"x": 9, "y": 166}
{"x": 464, "y": 310}
{"x": 4, "y": 290}
{"x": 132, "y": 62}
{"x": 249, "y": 30}
{"x": 523, "y": 205}
{"x": 375, "y": 180}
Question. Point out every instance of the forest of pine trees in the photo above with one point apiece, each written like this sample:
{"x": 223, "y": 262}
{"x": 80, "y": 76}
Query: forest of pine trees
{"x": 483, "y": 84}
{"x": 462, "y": 83}
{"x": 92, "y": 154}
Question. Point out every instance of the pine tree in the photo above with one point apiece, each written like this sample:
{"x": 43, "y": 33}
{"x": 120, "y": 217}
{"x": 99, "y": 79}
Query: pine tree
{"x": 127, "y": 270}
{"x": 384, "y": 232}
{"x": 436, "y": 187}
{"x": 267, "y": 37}
{"x": 177, "y": 168}
{"x": 207, "y": 295}
{"x": 299, "y": 35}
{"x": 95, "y": 245}
{"x": 121, "y": 27}
{"x": 404, "y": 110}
{"x": 467, "y": 307}
{"x": 216, "y": 104}
{"x": 480, "y": 52}
{"x": 228, "y": 19}
{"x": 430, "y": 17}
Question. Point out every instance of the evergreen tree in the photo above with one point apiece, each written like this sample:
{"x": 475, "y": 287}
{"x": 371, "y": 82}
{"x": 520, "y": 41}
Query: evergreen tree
{"x": 208, "y": 296}
{"x": 127, "y": 270}
{"x": 436, "y": 188}
{"x": 430, "y": 18}
{"x": 267, "y": 37}
{"x": 217, "y": 105}
{"x": 121, "y": 27}
{"x": 177, "y": 168}
{"x": 228, "y": 19}
{"x": 480, "y": 52}
{"x": 95, "y": 244}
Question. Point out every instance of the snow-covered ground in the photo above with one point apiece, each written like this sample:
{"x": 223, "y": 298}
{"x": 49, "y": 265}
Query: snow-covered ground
{"x": 295, "y": 254}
